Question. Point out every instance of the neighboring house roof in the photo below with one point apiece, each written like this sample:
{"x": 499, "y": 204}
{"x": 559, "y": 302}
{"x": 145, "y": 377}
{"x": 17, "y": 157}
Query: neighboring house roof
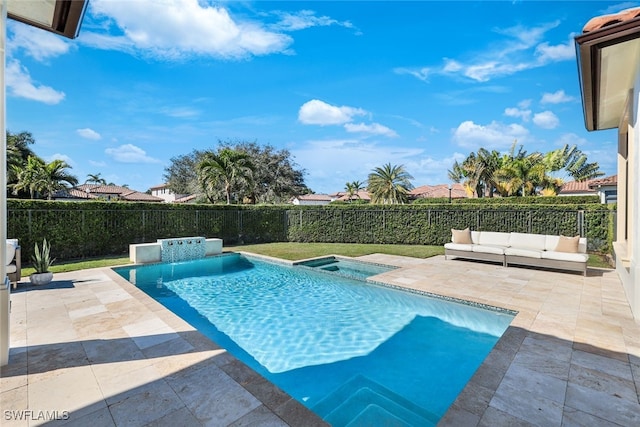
{"x": 604, "y": 182}
{"x": 314, "y": 197}
{"x": 73, "y": 193}
{"x": 361, "y": 195}
{"x": 186, "y": 199}
{"x": 97, "y": 191}
{"x": 586, "y": 187}
{"x": 607, "y": 63}
{"x": 439, "y": 191}
{"x": 136, "y": 196}
{"x": 159, "y": 187}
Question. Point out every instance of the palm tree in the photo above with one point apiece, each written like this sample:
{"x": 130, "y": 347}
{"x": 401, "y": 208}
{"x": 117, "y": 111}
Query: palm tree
{"x": 95, "y": 179}
{"x": 18, "y": 152}
{"x": 389, "y": 184}
{"x": 39, "y": 177}
{"x": 477, "y": 172}
{"x": 353, "y": 189}
{"x": 228, "y": 167}
{"x": 521, "y": 174}
{"x": 54, "y": 177}
{"x": 27, "y": 177}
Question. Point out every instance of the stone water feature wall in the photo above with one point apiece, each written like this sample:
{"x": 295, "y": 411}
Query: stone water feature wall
{"x": 182, "y": 249}
{"x": 200, "y": 247}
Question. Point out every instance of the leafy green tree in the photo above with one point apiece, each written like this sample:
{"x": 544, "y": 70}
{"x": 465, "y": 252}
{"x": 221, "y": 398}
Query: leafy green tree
{"x": 228, "y": 167}
{"x": 182, "y": 173}
{"x": 275, "y": 176}
{"x": 389, "y": 184}
{"x": 18, "y": 151}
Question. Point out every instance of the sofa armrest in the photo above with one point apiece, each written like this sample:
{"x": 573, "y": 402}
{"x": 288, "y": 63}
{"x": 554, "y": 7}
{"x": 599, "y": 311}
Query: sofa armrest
{"x": 17, "y": 275}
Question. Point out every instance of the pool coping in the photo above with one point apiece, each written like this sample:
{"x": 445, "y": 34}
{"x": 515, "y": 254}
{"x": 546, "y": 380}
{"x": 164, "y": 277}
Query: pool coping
{"x": 570, "y": 357}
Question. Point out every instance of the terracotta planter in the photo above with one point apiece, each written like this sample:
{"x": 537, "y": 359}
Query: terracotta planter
{"x": 41, "y": 278}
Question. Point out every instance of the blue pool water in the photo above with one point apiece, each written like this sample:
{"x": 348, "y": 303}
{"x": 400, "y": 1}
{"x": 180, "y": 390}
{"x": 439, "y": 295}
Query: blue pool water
{"x": 345, "y": 267}
{"x": 349, "y": 350}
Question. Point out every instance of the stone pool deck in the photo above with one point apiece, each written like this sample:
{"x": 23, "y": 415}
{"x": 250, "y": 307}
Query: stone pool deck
{"x": 92, "y": 349}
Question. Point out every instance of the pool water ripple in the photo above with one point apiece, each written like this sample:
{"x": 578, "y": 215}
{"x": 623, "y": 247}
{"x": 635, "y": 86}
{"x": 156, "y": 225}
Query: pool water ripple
{"x": 311, "y": 332}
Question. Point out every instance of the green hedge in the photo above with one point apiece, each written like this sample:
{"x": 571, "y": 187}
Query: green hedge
{"x": 89, "y": 229}
{"x": 431, "y": 224}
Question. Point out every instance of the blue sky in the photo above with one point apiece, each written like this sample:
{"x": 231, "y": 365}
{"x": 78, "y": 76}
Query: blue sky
{"x": 344, "y": 86}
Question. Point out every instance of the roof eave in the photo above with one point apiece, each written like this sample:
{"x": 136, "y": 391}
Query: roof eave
{"x": 588, "y": 47}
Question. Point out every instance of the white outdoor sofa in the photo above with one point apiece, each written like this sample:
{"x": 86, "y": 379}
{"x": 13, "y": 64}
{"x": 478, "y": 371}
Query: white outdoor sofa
{"x": 537, "y": 250}
{"x": 13, "y": 261}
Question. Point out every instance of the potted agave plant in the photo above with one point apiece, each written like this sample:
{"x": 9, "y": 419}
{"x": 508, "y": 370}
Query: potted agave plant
{"x": 41, "y": 260}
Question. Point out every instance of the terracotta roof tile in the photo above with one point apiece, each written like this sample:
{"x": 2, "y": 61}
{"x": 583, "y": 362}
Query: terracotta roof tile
{"x": 588, "y": 186}
{"x": 314, "y": 197}
{"x": 362, "y": 195}
{"x": 439, "y": 191}
{"x": 602, "y": 21}
{"x": 610, "y": 180}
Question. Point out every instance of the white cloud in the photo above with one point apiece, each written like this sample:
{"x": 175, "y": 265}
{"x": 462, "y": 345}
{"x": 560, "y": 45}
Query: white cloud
{"x": 63, "y": 157}
{"x": 570, "y": 139}
{"x": 520, "y": 49}
{"x": 525, "y": 115}
{"x": 129, "y": 153}
{"x": 88, "y": 133}
{"x": 524, "y": 104}
{"x": 99, "y": 164}
{"x": 38, "y": 44}
{"x": 421, "y": 74}
{"x": 492, "y": 136}
{"x": 305, "y": 19}
{"x": 557, "y": 97}
{"x": 19, "y": 84}
{"x": 316, "y": 112}
{"x": 327, "y": 175}
{"x": 373, "y": 128}
{"x": 172, "y": 29}
{"x": 546, "y": 120}
{"x": 561, "y": 52}
{"x": 451, "y": 66}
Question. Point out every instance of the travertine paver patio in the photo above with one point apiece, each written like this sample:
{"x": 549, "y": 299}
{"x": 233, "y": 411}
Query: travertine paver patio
{"x": 92, "y": 349}
{"x": 96, "y": 346}
{"x": 571, "y": 356}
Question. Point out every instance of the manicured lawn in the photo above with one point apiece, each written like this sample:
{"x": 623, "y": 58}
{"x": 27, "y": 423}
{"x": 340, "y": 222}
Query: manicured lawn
{"x": 293, "y": 251}
{"x": 64, "y": 266}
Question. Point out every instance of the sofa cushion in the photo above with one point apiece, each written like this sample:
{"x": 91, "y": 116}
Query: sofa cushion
{"x": 527, "y": 241}
{"x": 567, "y": 244}
{"x": 489, "y": 249}
{"x": 529, "y": 253}
{"x": 458, "y": 246}
{"x": 11, "y": 251}
{"x": 565, "y": 256}
{"x": 493, "y": 238}
{"x": 461, "y": 236}
{"x": 11, "y": 268}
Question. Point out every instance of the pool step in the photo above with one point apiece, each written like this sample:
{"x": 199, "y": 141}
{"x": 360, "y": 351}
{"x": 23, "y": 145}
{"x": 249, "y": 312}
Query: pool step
{"x": 363, "y": 402}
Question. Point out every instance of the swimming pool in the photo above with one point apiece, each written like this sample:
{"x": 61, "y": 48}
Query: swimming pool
{"x": 346, "y": 267}
{"x": 350, "y": 351}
